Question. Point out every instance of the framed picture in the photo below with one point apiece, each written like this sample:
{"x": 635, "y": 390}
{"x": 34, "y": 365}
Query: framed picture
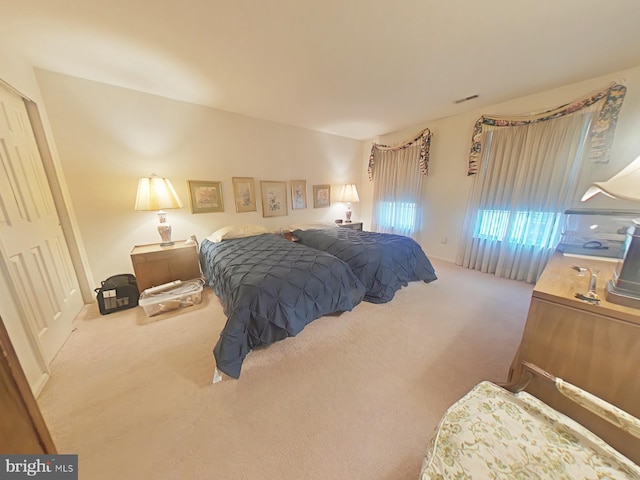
{"x": 321, "y": 196}
{"x": 298, "y": 194}
{"x": 274, "y": 198}
{"x": 205, "y": 197}
{"x": 244, "y": 193}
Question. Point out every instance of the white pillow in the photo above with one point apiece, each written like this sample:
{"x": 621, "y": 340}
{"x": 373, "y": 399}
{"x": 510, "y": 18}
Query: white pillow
{"x": 236, "y": 231}
{"x": 310, "y": 226}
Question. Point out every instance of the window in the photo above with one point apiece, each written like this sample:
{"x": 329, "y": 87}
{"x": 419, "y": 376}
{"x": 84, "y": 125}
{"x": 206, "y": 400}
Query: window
{"x": 397, "y": 174}
{"x": 527, "y": 177}
{"x": 396, "y": 215}
{"x": 534, "y": 229}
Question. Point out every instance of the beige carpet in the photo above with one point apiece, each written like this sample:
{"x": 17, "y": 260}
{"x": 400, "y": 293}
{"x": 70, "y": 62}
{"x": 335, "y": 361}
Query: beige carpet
{"x": 354, "y": 396}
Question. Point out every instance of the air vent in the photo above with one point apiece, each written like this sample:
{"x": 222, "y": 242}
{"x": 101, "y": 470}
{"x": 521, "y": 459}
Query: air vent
{"x": 466, "y": 99}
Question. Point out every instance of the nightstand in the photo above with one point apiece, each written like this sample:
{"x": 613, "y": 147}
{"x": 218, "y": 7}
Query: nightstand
{"x": 155, "y": 265}
{"x": 352, "y": 225}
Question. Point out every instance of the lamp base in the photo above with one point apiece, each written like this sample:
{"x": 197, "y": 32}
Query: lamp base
{"x": 624, "y": 287}
{"x": 621, "y": 296}
{"x": 347, "y": 214}
{"x": 164, "y": 229}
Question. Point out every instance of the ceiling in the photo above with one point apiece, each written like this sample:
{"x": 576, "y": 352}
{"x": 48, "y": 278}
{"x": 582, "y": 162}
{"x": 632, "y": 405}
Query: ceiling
{"x": 355, "y": 68}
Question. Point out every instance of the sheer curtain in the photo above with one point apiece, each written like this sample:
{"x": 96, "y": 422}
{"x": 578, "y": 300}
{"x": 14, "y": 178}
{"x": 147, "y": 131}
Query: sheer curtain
{"x": 527, "y": 177}
{"x": 397, "y": 191}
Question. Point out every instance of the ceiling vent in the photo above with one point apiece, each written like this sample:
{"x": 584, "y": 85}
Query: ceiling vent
{"x": 465, "y": 99}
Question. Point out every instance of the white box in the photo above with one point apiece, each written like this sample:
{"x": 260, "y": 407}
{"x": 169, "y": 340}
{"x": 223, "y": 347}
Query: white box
{"x": 183, "y": 295}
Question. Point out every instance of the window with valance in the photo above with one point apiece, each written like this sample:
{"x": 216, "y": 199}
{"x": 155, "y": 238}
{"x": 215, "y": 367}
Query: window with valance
{"x": 397, "y": 172}
{"x": 527, "y": 169}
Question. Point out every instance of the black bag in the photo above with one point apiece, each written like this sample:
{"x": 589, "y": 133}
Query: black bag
{"x": 118, "y": 292}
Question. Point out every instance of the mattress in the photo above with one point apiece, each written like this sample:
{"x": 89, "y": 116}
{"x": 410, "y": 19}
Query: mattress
{"x": 270, "y": 289}
{"x": 382, "y": 261}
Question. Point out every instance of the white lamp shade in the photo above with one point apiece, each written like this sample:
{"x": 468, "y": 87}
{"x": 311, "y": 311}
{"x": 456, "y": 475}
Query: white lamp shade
{"x": 349, "y": 194}
{"x": 155, "y": 193}
{"x": 624, "y": 185}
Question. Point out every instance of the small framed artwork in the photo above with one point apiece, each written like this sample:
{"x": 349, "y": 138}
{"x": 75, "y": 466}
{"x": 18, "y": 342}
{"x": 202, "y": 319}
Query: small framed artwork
{"x": 321, "y": 196}
{"x": 298, "y": 194}
{"x": 205, "y": 197}
{"x": 274, "y": 198}
{"x": 244, "y": 193}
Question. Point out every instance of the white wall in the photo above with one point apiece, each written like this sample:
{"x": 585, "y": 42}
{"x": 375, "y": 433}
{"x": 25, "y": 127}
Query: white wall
{"x": 108, "y": 137}
{"x": 447, "y": 187}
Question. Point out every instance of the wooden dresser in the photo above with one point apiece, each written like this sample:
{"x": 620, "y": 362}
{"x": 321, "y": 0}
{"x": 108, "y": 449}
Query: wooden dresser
{"x": 596, "y": 347}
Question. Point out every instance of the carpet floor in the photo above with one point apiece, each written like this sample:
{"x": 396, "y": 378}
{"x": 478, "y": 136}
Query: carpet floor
{"x": 353, "y": 396}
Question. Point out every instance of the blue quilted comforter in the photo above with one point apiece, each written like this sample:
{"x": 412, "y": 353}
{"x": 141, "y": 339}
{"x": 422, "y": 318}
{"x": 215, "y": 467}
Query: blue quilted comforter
{"x": 382, "y": 261}
{"x": 271, "y": 289}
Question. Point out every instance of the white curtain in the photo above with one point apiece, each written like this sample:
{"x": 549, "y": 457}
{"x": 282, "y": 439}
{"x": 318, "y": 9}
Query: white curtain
{"x": 397, "y": 191}
{"x": 528, "y": 176}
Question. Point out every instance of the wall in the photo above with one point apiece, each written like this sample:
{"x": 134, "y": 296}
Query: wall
{"x": 108, "y": 137}
{"x": 447, "y": 187}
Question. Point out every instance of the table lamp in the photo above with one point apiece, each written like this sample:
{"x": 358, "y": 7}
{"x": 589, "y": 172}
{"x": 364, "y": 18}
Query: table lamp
{"x": 624, "y": 287}
{"x": 155, "y": 193}
{"x": 349, "y": 194}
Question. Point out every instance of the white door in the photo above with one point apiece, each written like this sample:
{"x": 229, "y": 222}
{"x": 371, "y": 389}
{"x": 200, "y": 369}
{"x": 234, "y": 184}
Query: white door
{"x": 33, "y": 251}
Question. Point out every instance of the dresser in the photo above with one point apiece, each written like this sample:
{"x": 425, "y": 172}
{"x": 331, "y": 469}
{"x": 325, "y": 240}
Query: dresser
{"x": 596, "y": 347}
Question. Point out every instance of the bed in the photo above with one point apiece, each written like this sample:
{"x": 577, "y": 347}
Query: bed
{"x": 270, "y": 289}
{"x": 382, "y": 261}
{"x": 506, "y": 433}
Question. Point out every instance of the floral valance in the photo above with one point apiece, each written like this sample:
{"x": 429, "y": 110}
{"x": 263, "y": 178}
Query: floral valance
{"x": 424, "y": 137}
{"x": 601, "y": 133}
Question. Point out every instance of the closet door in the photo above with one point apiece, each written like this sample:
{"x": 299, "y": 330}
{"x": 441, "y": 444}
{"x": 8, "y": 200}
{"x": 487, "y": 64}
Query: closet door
{"x": 33, "y": 253}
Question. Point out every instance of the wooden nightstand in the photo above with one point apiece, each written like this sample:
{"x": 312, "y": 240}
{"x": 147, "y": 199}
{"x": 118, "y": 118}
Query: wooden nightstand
{"x": 352, "y": 225}
{"x": 155, "y": 265}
